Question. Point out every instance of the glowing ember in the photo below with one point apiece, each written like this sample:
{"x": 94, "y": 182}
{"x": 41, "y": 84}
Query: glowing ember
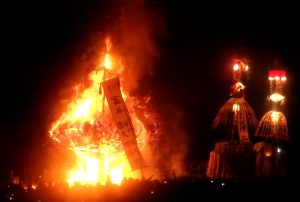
{"x": 88, "y": 130}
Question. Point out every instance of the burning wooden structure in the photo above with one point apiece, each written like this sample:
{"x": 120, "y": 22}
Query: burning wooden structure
{"x": 272, "y": 131}
{"x": 102, "y": 129}
{"x": 232, "y": 156}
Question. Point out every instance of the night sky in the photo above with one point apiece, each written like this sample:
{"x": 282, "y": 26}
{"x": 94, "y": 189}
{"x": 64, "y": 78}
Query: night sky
{"x": 40, "y": 41}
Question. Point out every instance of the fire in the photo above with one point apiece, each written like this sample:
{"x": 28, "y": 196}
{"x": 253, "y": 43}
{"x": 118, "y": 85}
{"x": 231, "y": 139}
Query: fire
{"x": 87, "y": 129}
{"x": 83, "y": 109}
{"x": 107, "y": 61}
{"x": 87, "y": 171}
{"x": 116, "y": 176}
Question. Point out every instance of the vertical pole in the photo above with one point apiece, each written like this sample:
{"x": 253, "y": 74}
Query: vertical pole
{"x": 103, "y": 96}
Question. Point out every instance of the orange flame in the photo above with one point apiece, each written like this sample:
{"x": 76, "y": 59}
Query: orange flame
{"x": 87, "y": 129}
{"x": 107, "y": 64}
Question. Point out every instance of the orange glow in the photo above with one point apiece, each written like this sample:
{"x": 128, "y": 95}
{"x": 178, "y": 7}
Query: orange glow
{"x": 236, "y": 107}
{"x": 275, "y": 116}
{"x": 116, "y": 176}
{"x": 268, "y": 150}
{"x": 107, "y": 59}
{"x": 276, "y": 97}
{"x": 87, "y": 171}
{"x": 277, "y": 78}
{"x": 278, "y": 75}
{"x": 87, "y": 129}
{"x": 107, "y": 64}
{"x": 236, "y": 67}
{"x": 268, "y": 153}
{"x": 239, "y": 86}
{"x": 240, "y": 65}
{"x": 83, "y": 109}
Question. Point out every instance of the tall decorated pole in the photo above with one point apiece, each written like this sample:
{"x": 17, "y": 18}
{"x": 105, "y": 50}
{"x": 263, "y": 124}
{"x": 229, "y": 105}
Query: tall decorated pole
{"x": 272, "y": 130}
{"x": 123, "y": 122}
{"x": 233, "y": 123}
{"x": 112, "y": 93}
{"x": 105, "y": 68}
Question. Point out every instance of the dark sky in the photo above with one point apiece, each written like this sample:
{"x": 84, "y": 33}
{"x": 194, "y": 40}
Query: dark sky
{"x": 38, "y": 39}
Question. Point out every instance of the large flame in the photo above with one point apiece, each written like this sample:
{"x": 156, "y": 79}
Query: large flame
{"x": 88, "y": 130}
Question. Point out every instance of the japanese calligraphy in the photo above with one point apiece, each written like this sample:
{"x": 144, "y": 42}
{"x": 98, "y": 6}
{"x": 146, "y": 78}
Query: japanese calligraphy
{"x": 123, "y": 122}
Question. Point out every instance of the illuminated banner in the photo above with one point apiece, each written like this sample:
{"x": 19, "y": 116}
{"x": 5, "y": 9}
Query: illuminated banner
{"x": 123, "y": 122}
{"x": 277, "y": 74}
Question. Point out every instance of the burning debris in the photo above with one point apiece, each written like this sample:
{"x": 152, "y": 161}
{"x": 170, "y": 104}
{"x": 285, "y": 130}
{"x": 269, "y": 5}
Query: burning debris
{"x": 273, "y": 131}
{"x": 234, "y": 119}
{"x": 105, "y": 135}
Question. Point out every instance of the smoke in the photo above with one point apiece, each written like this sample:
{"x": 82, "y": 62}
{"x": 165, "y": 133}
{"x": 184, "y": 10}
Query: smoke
{"x": 135, "y": 36}
{"x": 173, "y": 144}
{"x": 136, "y": 30}
{"x": 138, "y": 27}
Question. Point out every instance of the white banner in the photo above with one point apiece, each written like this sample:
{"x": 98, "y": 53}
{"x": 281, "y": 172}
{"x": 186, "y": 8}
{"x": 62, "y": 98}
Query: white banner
{"x": 123, "y": 122}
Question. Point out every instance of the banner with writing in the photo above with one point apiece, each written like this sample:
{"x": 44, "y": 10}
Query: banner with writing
{"x": 123, "y": 122}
